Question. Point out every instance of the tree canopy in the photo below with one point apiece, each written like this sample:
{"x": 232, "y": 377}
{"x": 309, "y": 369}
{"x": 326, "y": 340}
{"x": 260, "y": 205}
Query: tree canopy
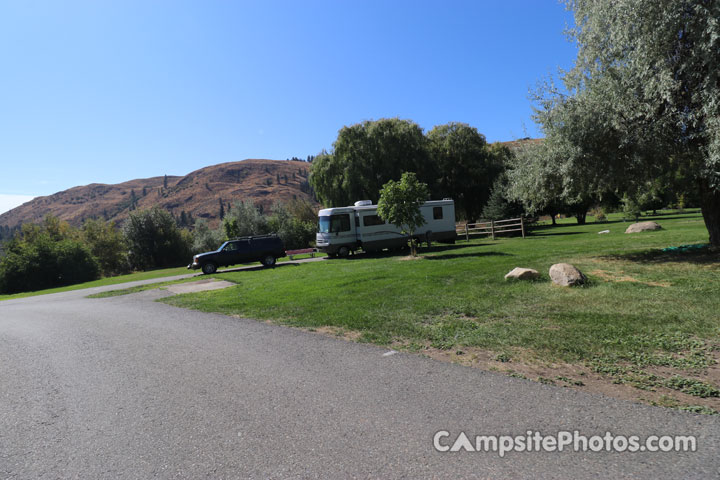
{"x": 454, "y": 160}
{"x": 366, "y": 155}
{"x": 642, "y": 99}
{"x": 464, "y": 167}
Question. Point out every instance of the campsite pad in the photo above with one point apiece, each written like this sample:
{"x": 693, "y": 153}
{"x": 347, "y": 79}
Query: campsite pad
{"x": 199, "y": 286}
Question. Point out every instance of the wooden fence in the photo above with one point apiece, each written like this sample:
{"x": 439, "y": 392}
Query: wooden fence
{"x": 492, "y": 228}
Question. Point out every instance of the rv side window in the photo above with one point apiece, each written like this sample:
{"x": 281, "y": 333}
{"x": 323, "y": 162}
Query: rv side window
{"x": 437, "y": 213}
{"x": 340, "y": 223}
{"x": 372, "y": 220}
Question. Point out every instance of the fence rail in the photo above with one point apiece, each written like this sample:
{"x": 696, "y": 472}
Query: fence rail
{"x": 492, "y": 228}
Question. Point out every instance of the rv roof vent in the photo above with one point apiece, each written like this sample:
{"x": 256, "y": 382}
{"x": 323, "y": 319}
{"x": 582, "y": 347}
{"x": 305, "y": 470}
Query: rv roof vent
{"x": 363, "y": 203}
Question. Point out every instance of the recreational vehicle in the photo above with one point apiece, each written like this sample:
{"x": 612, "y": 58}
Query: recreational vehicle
{"x": 345, "y": 229}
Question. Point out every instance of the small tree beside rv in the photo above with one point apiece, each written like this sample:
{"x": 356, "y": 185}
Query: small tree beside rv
{"x": 399, "y": 204}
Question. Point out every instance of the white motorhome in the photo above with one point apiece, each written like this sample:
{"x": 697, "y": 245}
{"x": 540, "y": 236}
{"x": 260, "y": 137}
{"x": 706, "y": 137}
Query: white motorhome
{"x": 345, "y": 229}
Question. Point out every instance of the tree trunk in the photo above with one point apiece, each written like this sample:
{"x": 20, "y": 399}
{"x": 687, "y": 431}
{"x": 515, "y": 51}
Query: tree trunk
{"x": 710, "y": 206}
{"x": 552, "y": 216}
{"x": 581, "y": 217}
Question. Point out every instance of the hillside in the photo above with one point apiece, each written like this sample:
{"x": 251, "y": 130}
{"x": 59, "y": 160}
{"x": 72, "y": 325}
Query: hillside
{"x": 198, "y": 194}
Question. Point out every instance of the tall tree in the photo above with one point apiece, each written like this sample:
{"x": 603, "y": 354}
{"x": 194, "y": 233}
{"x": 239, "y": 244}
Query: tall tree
{"x": 536, "y": 179}
{"x": 365, "y": 157}
{"x": 465, "y": 167}
{"x": 643, "y": 97}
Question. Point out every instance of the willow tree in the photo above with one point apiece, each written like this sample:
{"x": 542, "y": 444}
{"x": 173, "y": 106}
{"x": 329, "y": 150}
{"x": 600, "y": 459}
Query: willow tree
{"x": 365, "y": 156}
{"x": 642, "y": 98}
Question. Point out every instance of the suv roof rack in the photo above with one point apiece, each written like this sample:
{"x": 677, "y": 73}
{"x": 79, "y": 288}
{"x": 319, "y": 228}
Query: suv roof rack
{"x": 249, "y": 237}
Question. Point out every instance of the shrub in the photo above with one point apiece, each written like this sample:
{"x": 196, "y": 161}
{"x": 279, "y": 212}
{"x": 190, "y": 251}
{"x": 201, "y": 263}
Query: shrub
{"x": 599, "y": 214}
{"x": 631, "y": 209}
{"x": 107, "y": 245}
{"x": 205, "y": 239}
{"x": 38, "y": 262}
{"x": 245, "y": 219}
{"x": 154, "y": 240}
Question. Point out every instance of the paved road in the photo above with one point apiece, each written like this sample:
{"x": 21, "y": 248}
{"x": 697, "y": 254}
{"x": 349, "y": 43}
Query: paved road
{"x": 126, "y": 387}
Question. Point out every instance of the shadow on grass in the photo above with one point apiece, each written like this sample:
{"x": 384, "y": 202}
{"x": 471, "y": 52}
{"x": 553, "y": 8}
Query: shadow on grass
{"x": 406, "y": 252}
{"x": 701, "y": 256}
{"x": 256, "y": 268}
{"x": 450, "y": 256}
{"x": 555, "y": 234}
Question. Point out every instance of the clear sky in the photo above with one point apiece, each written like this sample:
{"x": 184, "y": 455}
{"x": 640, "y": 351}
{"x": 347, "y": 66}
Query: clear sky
{"x": 107, "y": 91}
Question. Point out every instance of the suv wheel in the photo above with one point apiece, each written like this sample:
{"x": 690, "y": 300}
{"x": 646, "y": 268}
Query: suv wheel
{"x": 268, "y": 260}
{"x": 209, "y": 268}
{"x": 343, "y": 252}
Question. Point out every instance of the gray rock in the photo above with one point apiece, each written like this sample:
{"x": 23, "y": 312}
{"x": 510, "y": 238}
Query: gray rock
{"x": 643, "y": 227}
{"x": 566, "y": 275}
{"x": 519, "y": 273}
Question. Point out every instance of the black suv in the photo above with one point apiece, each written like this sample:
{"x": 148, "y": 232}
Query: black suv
{"x": 263, "y": 248}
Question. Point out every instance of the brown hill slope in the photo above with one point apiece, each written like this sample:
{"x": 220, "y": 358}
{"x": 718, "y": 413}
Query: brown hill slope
{"x": 198, "y": 193}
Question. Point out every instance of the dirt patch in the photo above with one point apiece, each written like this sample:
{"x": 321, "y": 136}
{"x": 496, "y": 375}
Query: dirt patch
{"x": 410, "y": 257}
{"x": 621, "y": 277}
{"x": 198, "y": 286}
{"x": 580, "y": 377}
{"x": 349, "y": 335}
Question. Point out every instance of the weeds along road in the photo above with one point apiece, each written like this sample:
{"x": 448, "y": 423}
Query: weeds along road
{"x": 126, "y": 387}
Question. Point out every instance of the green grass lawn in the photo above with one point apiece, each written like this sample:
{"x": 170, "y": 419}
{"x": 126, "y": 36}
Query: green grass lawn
{"x": 646, "y": 317}
{"x": 132, "y": 277}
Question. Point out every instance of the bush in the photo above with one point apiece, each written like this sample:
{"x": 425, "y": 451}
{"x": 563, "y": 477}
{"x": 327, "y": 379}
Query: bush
{"x": 37, "y": 262}
{"x": 599, "y": 214}
{"x": 154, "y": 240}
{"x": 498, "y": 206}
{"x": 295, "y": 223}
{"x": 205, "y": 239}
{"x": 245, "y": 219}
{"x": 631, "y": 209}
{"x": 107, "y": 245}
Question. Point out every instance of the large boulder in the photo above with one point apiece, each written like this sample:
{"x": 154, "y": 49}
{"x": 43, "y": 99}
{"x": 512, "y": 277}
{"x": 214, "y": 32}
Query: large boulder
{"x": 519, "y": 273}
{"x": 566, "y": 275}
{"x": 643, "y": 227}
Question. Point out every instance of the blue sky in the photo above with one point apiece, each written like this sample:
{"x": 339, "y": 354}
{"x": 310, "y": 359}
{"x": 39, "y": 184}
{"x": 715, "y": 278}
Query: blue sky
{"x": 107, "y": 91}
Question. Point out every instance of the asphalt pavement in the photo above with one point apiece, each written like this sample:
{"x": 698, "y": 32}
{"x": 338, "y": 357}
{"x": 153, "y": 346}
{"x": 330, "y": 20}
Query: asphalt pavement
{"x": 127, "y": 387}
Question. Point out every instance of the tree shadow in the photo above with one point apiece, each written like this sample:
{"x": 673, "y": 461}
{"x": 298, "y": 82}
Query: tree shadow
{"x": 450, "y": 256}
{"x": 700, "y": 256}
{"x": 554, "y": 234}
{"x": 256, "y": 268}
{"x": 403, "y": 253}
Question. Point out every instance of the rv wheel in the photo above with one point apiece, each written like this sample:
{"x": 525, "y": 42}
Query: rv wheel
{"x": 343, "y": 252}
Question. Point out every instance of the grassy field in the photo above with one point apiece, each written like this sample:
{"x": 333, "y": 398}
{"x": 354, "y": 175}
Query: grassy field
{"x": 646, "y": 327}
{"x": 132, "y": 277}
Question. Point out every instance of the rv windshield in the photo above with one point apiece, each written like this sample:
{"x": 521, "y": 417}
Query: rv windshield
{"x": 324, "y": 225}
{"x": 334, "y": 223}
